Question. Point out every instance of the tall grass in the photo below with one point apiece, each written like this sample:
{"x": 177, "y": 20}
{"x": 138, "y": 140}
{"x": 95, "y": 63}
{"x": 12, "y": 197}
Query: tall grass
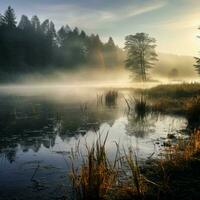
{"x": 187, "y": 150}
{"x": 141, "y": 107}
{"x": 138, "y": 106}
{"x": 96, "y": 177}
{"x": 183, "y": 150}
{"x": 137, "y": 183}
{"x": 176, "y": 159}
{"x": 100, "y": 178}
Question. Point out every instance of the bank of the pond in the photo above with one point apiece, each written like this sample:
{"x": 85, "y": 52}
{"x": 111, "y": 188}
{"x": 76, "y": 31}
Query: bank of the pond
{"x": 181, "y": 99}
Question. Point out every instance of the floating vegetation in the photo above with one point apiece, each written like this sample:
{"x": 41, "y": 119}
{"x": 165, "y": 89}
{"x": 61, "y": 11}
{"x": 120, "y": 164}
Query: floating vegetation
{"x": 108, "y": 98}
{"x": 141, "y": 107}
{"x": 111, "y": 98}
{"x": 137, "y": 106}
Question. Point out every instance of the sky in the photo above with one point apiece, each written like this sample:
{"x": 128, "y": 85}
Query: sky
{"x": 174, "y": 23}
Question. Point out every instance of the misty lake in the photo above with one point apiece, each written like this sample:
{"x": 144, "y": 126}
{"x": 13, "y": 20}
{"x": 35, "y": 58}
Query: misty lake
{"x": 40, "y": 125}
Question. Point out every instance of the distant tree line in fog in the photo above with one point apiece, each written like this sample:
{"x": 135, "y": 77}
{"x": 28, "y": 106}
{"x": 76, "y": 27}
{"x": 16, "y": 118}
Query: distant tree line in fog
{"x": 30, "y": 45}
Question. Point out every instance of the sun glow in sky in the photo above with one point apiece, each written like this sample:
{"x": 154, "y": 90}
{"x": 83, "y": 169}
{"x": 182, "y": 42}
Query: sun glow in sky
{"x": 174, "y": 23}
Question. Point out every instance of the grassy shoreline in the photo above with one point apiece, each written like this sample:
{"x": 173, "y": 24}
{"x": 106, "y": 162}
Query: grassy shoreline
{"x": 179, "y": 99}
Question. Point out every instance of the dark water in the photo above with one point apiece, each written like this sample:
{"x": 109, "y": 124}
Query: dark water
{"x": 40, "y": 126}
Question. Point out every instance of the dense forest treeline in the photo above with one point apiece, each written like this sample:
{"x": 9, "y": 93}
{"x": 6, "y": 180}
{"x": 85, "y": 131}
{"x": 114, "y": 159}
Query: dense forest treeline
{"x": 30, "y": 45}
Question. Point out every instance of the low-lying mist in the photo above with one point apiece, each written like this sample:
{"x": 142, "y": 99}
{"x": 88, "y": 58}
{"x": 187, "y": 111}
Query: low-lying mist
{"x": 175, "y": 67}
{"x": 169, "y": 68}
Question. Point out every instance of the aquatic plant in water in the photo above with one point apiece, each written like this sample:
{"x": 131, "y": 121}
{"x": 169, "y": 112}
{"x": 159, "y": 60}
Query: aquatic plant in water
{"x": 111, "y": 98}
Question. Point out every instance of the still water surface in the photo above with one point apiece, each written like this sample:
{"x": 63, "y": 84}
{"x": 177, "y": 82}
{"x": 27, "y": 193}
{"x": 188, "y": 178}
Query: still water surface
{"x": 40, "y": 126}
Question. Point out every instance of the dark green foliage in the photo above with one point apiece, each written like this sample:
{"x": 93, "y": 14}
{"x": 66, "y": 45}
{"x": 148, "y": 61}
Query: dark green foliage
{"x": 141, "y": 54}
{"x": 33, "y": 45}
{"x": 35, "y": 22}
{"x": 1, "y": 20}
{"x": 9, "y": 18}
{"x": 25, "y": 23}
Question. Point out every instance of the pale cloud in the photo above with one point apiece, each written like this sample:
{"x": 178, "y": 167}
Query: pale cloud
{"x": 130, "y": 11}
{"x": 83, "y": 17}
